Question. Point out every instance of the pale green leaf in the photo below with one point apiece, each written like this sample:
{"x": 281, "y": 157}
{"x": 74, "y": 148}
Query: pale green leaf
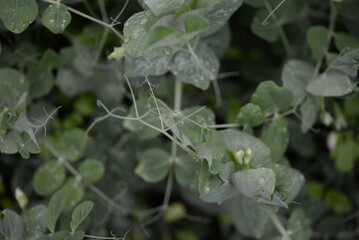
{"x": 92, "y": 170}
{"x": 296, "y": 75}
{"x": 34, "y": 220}
{"x": 250, "y": 115}
{"x": 271, "y": 98}
{"x": 255, "y": 183}
{"x": 18, "y": 14}
{"x": 11, "y": 225}
{"x": 309, "y": 111}
{"x": 236, "y": 140}
{"x": 56, "y": 205}
{"x": 78, "y": 235}
{"x": 160, "y": 7}
{"x": 332, "y": 84}
{"x": 317, "y": 38}
{"x": 268, "y": 30}
{"x": 247, "y": 215}
{"x": 348, "y": 63}
{"x": 276, "y": 137}
{"x": 198, "y": 69}
{"x": 154, "y": 165}
{"x": 48, "y": 178}
{"x": 186, "y": 171}
{"x": 72, "y": 144}
{"x": 146, "y": 66}
{"x": 80, "y": 213}
{"x": 56, "y": 17}
{"x": 299, "y": 224}
{"x": 75, "y": 192}
{"x": 12, "y": 86}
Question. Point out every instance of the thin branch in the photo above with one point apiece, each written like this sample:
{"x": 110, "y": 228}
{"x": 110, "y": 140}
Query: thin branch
{"x": 109, "y": 26}
{"x": 278, "y": 225}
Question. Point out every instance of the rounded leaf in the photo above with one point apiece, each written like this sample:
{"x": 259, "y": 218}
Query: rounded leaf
{"x": 56, "y": 18}
{"x": 48, "y": 178}
{"x": 72, "y": 144}
{"x": 92, "y": 170}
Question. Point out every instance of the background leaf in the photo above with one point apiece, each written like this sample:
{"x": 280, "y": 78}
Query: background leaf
{"x": 80, "y": 213}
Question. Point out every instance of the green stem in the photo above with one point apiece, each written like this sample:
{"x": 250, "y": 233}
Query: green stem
{"x": 278, "y": 225}
{"x": 177, "y": 107}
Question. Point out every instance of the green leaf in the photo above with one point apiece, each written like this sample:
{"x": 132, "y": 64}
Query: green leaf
{"x": 255, "y": 183}
{"x": 220, "y": 194}
{"x": 332, "y": 84}
{"x": 194, "y": 24}
{"x": 48, "y": 178}
{"x": 92, "y": 170}
{"x": 272, "y": 98}
{"x": 159, "y": 7}
{"x": 296, "y": 75}
{"x": 56, "y": 17}
{"x": 348, "y": 63}
{"x": 56, "y": 205}
{"x": 34, "y": 219}
{"x": 268, "y": 30}
{"x": 154, "y": 165}
{"x": 338, "y": 201}
{"x": 11, "y": 225}
{"x": 289, "y": 182}
{"x": 80, "y": 213}
{"x": 12, "y": 86}
{"x": 250, "y": 115}
{"x": 18, "y": 14}
{"x": 309, "y": 111}
{"x": 41, "y": 81}
{"x": 299, "y": 224}
{"x": 136, "y": 30}
{"x": 145, "y": 66}
{"x": 343, "y": 40}
{"x": 220, "y": 11}
{"x": 236, "y": 140}
{"x": 208, "y": 182}
{"x": 75, "y": 191}
{"x": 219, "y": 41}
{"x": 248, "y": 216}
{"x": 345, "y": 155}
{"x": 198, "y": 69}
{"x": 317, "y": 38}
{"x": 72, "y": 144}
{"x": 276, "y": 137}
{"x": 186, "y": 171}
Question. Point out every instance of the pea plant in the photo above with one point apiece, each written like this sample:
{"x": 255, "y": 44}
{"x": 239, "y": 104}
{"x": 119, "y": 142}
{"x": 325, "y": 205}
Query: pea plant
{"x": 157, "y": 119}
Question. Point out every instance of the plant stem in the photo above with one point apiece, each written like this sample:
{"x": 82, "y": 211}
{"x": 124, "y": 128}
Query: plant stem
{"x": 107, "y": 25}
{"x": 282, "y": 34}
{"x": 278, "y": 225}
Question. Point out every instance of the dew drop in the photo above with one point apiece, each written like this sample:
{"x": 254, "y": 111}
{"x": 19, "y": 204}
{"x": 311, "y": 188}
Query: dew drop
{"x": 126, "y": 24}
{"x": 127, "y": 39}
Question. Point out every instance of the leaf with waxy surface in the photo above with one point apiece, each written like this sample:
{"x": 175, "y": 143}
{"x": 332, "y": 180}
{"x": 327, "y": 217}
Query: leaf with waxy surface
{"x": 154, "y": 165}
{"x": 276, "y": 137}
{"x": 317, "y": 38}
{"x": 75, "y": 191}
{"x": 18, "y": 14}
{"x": 299, "y": 224}
{"x": 255, "y": 183}
{"x": 199, "y": 68}
{"x": 12, "y": 85}
{"x": 296, "y": 75}
{"x": 332, "y": 84}
{"x": 160, "y": 7}
{"x": 268, "y": 31}
{"x": 236, "y": 140}
{"x": 11, "y": 225}
{"x": 250, "y": 115}
{"x": 72, "y": 144}
{"x": 92, "y": 170}
{"x": 56, "y": 17}
{"x": 48, "y": 178}
{"x": 271, "y": 98}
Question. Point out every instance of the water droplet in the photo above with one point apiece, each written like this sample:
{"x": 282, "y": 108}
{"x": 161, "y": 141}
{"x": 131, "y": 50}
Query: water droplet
{"x": 127, "y": 39}
{"x": 167, "y": 52}
{"x": 126, "y": 24}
